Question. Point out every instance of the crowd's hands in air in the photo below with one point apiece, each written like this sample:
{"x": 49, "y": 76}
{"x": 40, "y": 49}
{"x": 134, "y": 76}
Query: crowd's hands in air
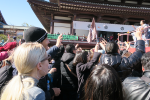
{"x": 59, "y": 39}
{"x": 138, "y": 33}
{"x": 52, "y": 70}
{"x": 127, "y": 45}
{"x": 57, "y": 91}
{"x": 76, "y": 47}
{"x": 96, "y": 47}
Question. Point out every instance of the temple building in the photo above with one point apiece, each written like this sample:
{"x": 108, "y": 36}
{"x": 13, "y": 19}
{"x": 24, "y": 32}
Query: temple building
{"x": 10, "y": 29}
{"x": 57, "y": 16}
{"x": 2, "y": 20}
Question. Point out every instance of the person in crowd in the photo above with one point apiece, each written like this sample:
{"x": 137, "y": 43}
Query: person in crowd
{"x": 24, "y": 85}
{"x": 144, "y": 36}
{"x": 123, "y": 66}
{"x": 111, "y": 38}
{"x": 137, "y": 88}
{"x": 8, "y": 40}
{"x": 35, "y": 34}
{"x": 4, "y": 55}
{"x": 2, "y": 42}
{"x": 83, "y": 68}
{"x": 14, "y": 39}
{"x": 8, "y": 46}
{"x": 103, "y": 84}
{"x": 6, "y": 71}
{"x": 69, "y": 81}
{"x": 5, "y": 51}
{"x": 57, "y": 75}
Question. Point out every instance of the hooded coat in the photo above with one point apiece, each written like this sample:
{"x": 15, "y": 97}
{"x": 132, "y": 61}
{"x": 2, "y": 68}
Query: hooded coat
{"x": 68, "y": 81}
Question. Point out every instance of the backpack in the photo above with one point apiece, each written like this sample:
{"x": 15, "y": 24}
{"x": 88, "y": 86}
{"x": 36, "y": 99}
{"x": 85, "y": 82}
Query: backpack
{"x": 5, "y": 75}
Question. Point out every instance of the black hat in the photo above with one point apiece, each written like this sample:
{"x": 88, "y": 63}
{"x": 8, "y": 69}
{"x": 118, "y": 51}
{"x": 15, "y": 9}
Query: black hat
{"x": 35, "y": 34}
{"x": 14, "y": 37}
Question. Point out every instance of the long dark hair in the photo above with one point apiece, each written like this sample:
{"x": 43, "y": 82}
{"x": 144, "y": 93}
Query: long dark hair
{"x": 103, "y": 84}
{"x": 80, "y": 57}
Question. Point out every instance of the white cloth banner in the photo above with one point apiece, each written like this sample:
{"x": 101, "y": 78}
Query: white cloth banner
{"x": 103, "y": 26}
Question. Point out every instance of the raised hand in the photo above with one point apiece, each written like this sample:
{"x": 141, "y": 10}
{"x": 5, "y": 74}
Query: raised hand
{"x": 96, "y": 47}
{"x": 8, "y": 38}
{"x": 58, "y": 43}
{"x": 127, "y": 45}
{"x": 57, "y": 91}
{"x": 76, "y": 46}
{"x": 138, "y": 33}
{"x": 52, "y": 70}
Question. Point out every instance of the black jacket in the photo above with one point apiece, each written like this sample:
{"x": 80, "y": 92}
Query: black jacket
{"x": 84, "y": 70}
{"x": 136, "y": 88}
{"x": 43, "y": 85}
{"x": 56, "y": 75}
{"x": 124, "y": 65}
{"x": 68, "y": 81}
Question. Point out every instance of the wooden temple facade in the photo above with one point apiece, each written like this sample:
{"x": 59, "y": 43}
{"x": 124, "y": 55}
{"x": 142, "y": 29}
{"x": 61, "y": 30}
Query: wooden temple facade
{"x": 128, "y": 12}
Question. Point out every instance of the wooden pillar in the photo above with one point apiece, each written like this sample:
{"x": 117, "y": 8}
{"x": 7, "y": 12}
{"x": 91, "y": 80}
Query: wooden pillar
{"x": 99, "y": 18}
{"x": 72, "y": 31}
{"x": 71, "y": 26}
{"x": 51, "y": 25}
{"x": 124, "y": 20}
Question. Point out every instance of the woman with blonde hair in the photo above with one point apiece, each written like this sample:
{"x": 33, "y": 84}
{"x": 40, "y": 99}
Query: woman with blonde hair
{"x": 31, "y": 61}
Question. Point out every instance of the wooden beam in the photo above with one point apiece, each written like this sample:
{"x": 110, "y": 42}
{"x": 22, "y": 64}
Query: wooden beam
{"x": 140, "y": 2}
{"x": 84, "y": 16}
{"x": 112, "y": 21}
{"x": 51, "y": 24}
{"x": 72, "y": 31}
{"x": 124, "y": 20}
{"x": 123, "y": 1}
{"x": 61, "y": 21}
{"x": 47, "y": 17}
{"x": 99, "y": 18}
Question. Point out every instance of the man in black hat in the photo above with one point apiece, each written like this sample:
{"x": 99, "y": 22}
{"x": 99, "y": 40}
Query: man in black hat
{"x": 14, "y": 38}
{"x": 35, "y": 34}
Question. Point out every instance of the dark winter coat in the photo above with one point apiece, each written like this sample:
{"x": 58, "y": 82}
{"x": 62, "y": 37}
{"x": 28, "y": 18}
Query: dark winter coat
{"x": 43, "y": 85}
{"x": 135, "y": 88}
{"x": 68, "y": 81}
{"x": 84, "y": 70}
{"x": 124, "y": 66}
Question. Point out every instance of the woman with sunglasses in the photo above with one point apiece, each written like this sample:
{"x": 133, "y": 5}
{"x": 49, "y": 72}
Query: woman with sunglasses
{"x": 31, "y": 61}
{"x": 83, "y": 67}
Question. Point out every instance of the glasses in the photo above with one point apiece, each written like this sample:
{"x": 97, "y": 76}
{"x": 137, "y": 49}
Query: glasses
{"x": 47, "y": 58}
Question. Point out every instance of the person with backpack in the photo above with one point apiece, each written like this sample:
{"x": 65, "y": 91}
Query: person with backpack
{"x": 137, "y": 88}
{"x": 69, "y": 81}
{"x": 24, "y": 85}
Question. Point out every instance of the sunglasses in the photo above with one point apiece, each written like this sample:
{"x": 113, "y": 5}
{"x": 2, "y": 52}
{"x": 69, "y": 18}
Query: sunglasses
{"x": 47, "y": 58}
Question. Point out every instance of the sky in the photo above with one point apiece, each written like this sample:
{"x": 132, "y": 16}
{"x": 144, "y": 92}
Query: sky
{"x": 17, "y": 12}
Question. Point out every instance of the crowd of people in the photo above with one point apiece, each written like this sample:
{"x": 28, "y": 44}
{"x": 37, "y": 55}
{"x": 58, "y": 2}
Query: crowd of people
{"x": 31, "y": 70}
